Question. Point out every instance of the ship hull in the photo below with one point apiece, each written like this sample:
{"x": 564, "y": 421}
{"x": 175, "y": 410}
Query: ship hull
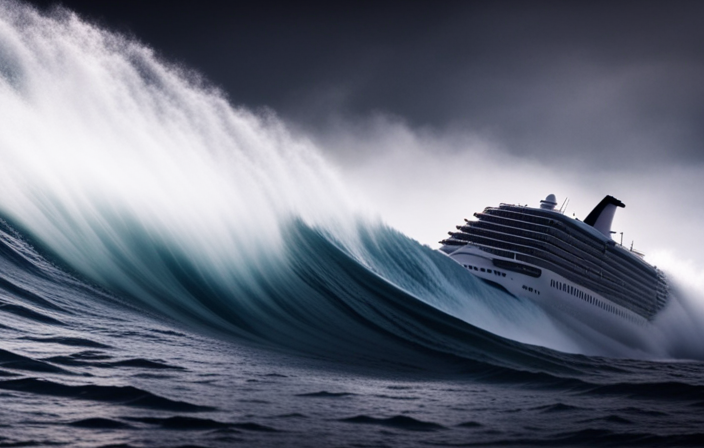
{"x": 551, "y": 291}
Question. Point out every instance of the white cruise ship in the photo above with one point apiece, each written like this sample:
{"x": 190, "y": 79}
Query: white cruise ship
{"x": 560, "y": 262}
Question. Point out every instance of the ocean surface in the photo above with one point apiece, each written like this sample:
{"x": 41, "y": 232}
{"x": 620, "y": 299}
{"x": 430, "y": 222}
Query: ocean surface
{"x": 176, "y": 271}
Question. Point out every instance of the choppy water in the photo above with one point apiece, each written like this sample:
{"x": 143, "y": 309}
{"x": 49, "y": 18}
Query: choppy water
{"x": 178, "y": 272}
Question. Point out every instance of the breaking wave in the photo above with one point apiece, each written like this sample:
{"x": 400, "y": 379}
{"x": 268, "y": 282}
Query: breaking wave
{"x": 147, "y": 183}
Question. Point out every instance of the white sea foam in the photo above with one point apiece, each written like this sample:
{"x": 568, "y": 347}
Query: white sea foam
{"x": 113, "y": 158}
{"x": 96, "y": 129}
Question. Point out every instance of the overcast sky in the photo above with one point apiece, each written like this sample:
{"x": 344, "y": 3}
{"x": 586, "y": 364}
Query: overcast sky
{"x": 437, "y": 109}
{"x": 585, "y": 80}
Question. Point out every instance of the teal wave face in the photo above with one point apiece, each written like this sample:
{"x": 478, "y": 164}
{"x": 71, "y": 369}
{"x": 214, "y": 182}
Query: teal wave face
{"x": 135, "y": 175}
{"x": 315, "y": 299}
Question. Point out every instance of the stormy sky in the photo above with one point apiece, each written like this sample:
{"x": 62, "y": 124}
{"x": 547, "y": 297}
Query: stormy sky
{"x": 463, "y": 103}
{"x": 622, "y": 80}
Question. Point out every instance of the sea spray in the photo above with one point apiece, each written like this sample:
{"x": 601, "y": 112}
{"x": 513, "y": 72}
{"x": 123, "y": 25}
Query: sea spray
{"x": 147, "y": 181}
{"x": 150, "y": 184}
{"x": 103, "y": 144}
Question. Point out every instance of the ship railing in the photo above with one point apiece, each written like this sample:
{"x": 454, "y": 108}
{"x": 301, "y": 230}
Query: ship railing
{"x": 561, "y": 245}
{"x": 630, "y": 249}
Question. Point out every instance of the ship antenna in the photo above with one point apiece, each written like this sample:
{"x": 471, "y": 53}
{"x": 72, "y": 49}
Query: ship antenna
{"x": 564, "y": 204}
{"x": 613, "y": 233}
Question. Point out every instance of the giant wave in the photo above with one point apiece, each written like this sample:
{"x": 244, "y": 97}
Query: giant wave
{"x": 164, "y": 254}
{"x": 144, "y": 180}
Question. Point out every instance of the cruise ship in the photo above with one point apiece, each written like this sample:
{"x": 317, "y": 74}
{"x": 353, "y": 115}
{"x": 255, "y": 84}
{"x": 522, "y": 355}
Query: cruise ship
{"x": 560, "y": 262}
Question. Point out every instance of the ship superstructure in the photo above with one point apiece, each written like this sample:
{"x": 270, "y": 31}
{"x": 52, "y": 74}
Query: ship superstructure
{"x": 544, "y": 255}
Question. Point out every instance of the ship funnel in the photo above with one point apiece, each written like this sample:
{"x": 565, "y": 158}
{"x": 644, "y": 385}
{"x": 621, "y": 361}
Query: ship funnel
{"x": 549, "y": 202}
{"x": 603, "y": 215}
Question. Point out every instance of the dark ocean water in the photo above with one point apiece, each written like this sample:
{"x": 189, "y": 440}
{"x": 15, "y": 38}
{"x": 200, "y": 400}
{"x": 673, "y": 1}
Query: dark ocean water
{"x": 175, "y": 271}
{"x": 362, "y": 365}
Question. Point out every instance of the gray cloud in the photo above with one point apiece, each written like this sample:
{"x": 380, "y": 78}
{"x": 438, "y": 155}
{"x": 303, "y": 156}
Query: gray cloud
{"x": 590, "y": 82}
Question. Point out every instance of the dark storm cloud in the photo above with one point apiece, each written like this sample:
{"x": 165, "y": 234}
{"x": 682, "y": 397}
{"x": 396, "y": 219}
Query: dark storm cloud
{"x": 594, "y": 81}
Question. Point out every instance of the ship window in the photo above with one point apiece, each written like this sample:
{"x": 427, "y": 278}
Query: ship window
{"x": 482, "y": 269}
{"x": 475, "y": 268}
{"x": 503, "y": 274}
{"x": 530, "y": 289}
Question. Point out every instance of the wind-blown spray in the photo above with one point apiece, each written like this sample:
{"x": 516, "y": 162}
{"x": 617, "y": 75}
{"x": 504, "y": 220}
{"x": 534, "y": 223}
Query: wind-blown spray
{"x": 104, "y": 146}
{"x": 145, "y": 180}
